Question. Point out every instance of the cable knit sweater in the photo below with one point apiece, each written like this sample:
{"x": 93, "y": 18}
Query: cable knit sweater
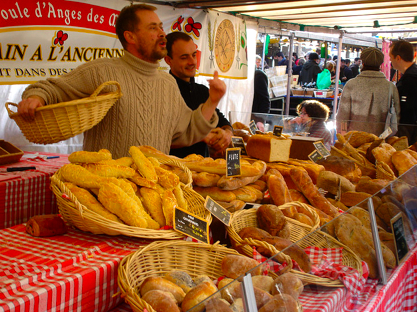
{"x": 150, "y": 112}
{"x": 364, "y": 102}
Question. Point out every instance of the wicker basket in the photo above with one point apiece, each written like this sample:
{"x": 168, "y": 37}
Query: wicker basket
{"x": 316, "y": 218}
{"x": 58, "y": 122}
{"x": 161, "y": 257}
{"x": 304, "y": 239}
{"x": 87, "y": 220}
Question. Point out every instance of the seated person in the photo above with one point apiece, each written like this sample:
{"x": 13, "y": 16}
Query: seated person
{"x": 312, "y": 117}
{"x": 182, "y": 58}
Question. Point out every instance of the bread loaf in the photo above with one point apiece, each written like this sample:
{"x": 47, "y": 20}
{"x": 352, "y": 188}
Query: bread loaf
{"x": 280, "y": 303}
{"x": 353, "y": 198}
{"x": 330, "y": 181}
{"x": 160, "y": 283}
{"x": 268, "y": 148}
{"x": 278, "y": 189}
{"x": 46, "y": 225}
{"x": 263, "y": 282}
{"x": 205, "y": 179}
{"x": 197, "y": 295}
{"x": 235, "y": 266}
{"x": 180, "y": 278}
{"x": 271, "y": 219}
{"x": 371, "y": 186}
{"x": 215, "y": 193}
{"x": 161, "y": 301}
{"x": 289, "y": 284}
{"x": 218, "y": 305}
{"x": 345, "y": 167}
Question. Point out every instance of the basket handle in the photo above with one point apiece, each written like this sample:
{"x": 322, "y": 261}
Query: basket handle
{"x": 280, "y": 256}
{"x": 9, "y": 111}
{"x": 105, "y": 84}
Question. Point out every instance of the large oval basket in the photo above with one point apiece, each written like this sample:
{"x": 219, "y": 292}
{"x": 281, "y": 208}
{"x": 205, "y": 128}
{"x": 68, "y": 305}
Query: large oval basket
{"x": 87, "y": 220}
{"x": 57, "y": 122}
{"x": 303, "y": 236}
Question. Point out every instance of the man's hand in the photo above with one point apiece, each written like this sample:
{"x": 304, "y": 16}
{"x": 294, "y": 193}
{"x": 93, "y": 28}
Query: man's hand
{"x": 27, "y": 107}
{"x": 219, "y": 139}
{"x": 216, "y": 92}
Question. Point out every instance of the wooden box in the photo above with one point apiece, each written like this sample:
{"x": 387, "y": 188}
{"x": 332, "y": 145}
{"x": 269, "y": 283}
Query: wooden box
{"x": 9, "y": 153}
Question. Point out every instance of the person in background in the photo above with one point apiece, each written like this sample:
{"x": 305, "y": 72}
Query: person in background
{"x": 356, "y": 66}
{"x": 151, "y": 110}
{"x": 312, "y": 118}
{"x": 365, "y": 100}
{"x": 182, "y": 59}
{"x": 261, "y": 102}
{"x": 310, "y": 69}
{"x": 295, "y": 58}
{"x": 345, "y": 69}
{"x": 281, "y": 60}
{"x": 402, "y": 56}
{"x": 258, "y": 60}
{"x": 331, "y": 66}
{"x": 296, "y": 69}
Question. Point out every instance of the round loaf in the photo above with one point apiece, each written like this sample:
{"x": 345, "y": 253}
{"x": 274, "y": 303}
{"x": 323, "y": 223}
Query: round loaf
{"x": 235, "y": 266}
{"x": 160, "y": 283}
{"x": 196, "y": 295}
{"x": 161, "y": 301}
{"x": 280, "y": 303}
{"x": 288, "y": 284}
{"x": 181, "y": 278}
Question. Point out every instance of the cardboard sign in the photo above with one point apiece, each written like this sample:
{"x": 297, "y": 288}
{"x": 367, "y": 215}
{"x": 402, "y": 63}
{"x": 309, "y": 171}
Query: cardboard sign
{"x": 278, "y": 130}
{"x": 321, "y": 149}
{"x": 314, "y": 156}
{"x": 400, "y": 242}
{"x": 239, "y": 143}
{"x": 253, "y": 127}
{"x": 233, "y": 162}
{"x": 217, "y": 210}
{"x": 191, "y": 225}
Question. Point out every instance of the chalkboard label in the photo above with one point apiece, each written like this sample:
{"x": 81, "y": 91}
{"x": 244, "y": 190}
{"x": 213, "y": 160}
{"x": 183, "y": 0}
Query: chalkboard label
{"x": 278, "y": 130}
{"x": 238, "y": 142}
{"x": 217, "y": 210}
{"x": 253, "y": 127}
{"x": 321, "y": 149}
{"x": 191, "y": 225}
{"x": 315, "y": 156}
{"x": 233, "y": 162}
{"x": 400, "y": 242}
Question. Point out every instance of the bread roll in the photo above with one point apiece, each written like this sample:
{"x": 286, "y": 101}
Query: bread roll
{"x": 145, "y": 167}
{"x": 301, "y": 217}
{"x": 263, "y": 282}
{"x": 180, "y": 278}
{"x": 357, "y": 138}
{"x": 268, "y": 148}
{"x": 371, "y": 186}
{"x": 235, "y": 266}
{"x": 46, "y": 225}
{"x": 153, "y": 204}
{"x": 160, "y": 283}
{"x": 402, "y": 161}
{"x": 342, "y": 166}
{"x": 289, "y": 284}
{"x": 278, "y": 189}
{"x": 161, "y": 301}
{"x": 280, "y": 303}
{"x": 215, "y": 193}
{"x": 353, "y": 198}
{"x": 271, "y": 219}
{"x": 218, "y": 305}
{"x": 205, "y": 179}
{"x": 169, "y": 202}
{"x": 330, "y": 181}
{"x": 196, "y": 295}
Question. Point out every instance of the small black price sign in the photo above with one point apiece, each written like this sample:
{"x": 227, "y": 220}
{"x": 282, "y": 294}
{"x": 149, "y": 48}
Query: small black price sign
{"x": 252, "y": 127}
{"x": 315, "y": 156}
{"x": 321, "y": 149}
{"x": 217, "y": 210}
{"x": 191, "y": 225}
{"x": 278, "y": 130}
{"x": 238, "y": 142}
{"x": 233, "y": 162}
{"x": 401, "y": 246}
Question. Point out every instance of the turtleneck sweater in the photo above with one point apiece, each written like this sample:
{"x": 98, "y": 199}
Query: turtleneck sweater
{"x": 150, "y": 112}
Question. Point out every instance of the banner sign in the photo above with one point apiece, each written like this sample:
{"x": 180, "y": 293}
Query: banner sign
{"x": 46, "y": 39}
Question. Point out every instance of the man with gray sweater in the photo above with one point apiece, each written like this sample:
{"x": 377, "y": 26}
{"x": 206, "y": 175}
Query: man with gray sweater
{"x": 151, "y": 110}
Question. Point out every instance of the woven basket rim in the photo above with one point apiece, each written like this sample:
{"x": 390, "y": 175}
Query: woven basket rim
{"x": 305, "y": 277}
{"x": 80, "y": 212}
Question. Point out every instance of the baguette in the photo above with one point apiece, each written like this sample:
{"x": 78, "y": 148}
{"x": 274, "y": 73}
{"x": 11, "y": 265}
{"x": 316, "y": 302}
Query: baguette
{"x": 215, "y": 193}
{"x": 233, "y": 183}
{"x": 205, "y": 179}
{"x": 278, "y": 189}
{"x": 89, "y": 157}
{"x": 220, "y": 168}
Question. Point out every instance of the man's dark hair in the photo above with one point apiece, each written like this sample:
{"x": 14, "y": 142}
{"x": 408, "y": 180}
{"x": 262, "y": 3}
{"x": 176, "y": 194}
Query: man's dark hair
{"x": 334, "y": 57}
{"x": 174, "y": 36}
{"x": 279, "y": 54}
{"x": 357, "y": 59}
{"x": 314, "y": 109}
{"x": 313, "y": 56}
{"x": 295, "y": 54}
{"x": 404, "y": 49}
{"x": 346, "y": 61}
{"x": 128, "y": 20}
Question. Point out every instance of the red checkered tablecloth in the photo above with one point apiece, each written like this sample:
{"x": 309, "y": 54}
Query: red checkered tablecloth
{"x": 72, "y": 272}
{"x": 28, "y": 193}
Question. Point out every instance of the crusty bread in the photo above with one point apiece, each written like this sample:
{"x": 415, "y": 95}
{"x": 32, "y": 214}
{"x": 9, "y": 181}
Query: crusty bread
{"x": 161, "y": 301}
{"x": 235, "y": 266}
{"x": 342, "y": 166}
{"x": 160, "y": 283}
{"x": 269, "y": 148}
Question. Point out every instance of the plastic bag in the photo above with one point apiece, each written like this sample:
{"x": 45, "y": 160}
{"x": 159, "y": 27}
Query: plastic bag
{"x": 324, "y": 79}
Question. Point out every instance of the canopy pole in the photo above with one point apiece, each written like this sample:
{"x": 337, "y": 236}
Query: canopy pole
{"x": 263, "y": 53}
{"x": 288, "y": 98}
{"x": 336, "y": 85}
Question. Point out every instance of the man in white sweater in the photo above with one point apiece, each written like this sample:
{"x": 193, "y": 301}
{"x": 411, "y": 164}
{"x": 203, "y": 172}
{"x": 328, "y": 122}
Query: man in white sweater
{"x": 151, "y": 110}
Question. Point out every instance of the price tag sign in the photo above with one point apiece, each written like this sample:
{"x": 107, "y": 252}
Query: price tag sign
{"x": 278, "y": 130}
{"x": 233, "y": 162}
{"x": 315, "y": 156}
{"x": 191, "y": 225}
{"x": 238, "y": 142}
{"x": 321, "y": 149}
{"x": 218, "y": 211}
{"x": 253, "y": 127}
{"x": 386, "y": 133}
{"x": 400, "y": 242}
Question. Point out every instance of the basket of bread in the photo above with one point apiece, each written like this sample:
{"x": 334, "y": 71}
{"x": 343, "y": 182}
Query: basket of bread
{"x": 58, "y": 122}
{"x": 132, "y": 196}
{"x": 268, "y": 224}
{"x": 185, "y": 276}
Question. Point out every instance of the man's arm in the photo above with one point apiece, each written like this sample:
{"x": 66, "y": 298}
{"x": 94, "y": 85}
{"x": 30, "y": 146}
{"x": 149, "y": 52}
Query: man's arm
{"x": 216, "y": 92}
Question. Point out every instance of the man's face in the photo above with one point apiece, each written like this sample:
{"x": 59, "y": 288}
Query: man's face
{"x": 183, "y": 62}
{"x": 394, "y": 60}
{"x": 149, "y": 37}
{"x": 279, "y": 58}
{"x": 258, "y": 63}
